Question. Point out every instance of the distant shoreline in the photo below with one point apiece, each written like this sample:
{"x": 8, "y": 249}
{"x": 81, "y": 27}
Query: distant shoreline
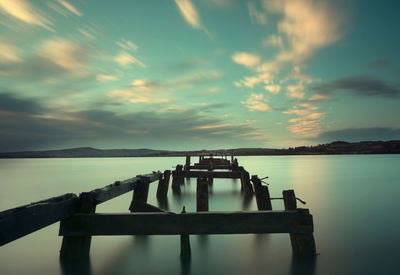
{"x": 334, "y": 148}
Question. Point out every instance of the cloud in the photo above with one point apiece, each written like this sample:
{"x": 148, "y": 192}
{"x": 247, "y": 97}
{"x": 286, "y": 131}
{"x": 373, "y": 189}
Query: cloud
{"x": 124, "y": 59}
{"x": 361, "y": 134}
{"x": 256, "y": 16}
{"x": 273, "y": 40}
{"x": 127, "y": 45}
{"x": 308, "y": 121}
{"x": 105, "y": 77}
{"x": 379, "y": 64}
{"x": 190, "y": 14}
{"x": 295, "y": 91}
{"x": 273, "y": 89}
{"x": 246, "y": 59}
{"x": 25, "y": 12}
{"x": 257, "y": 102}
{"x": 64, "y": 53}
{"x": 56, "y": 128}
{"x": 368, "y": 86}
{"x": 8, "y": 52}
{"x": 307, "y": 24}
{"x": 69, "y": 7}
{"x": 144, "y": 85}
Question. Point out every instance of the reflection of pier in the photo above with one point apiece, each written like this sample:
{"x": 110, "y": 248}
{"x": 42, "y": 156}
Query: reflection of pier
{"x": 79, "y": 222}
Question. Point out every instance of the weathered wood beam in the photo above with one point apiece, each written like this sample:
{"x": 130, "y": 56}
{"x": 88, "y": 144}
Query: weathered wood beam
{"x": 163, "y": 183}
{"x": 202, "y": 194}
{"x": 139, "y": 206}
{"x": 189, "y": 223}
{"x": 217, "y": 166}
{"x": 262, "y": 194}
{"x": 207, "y": 174}
{"x": 18, "y": 222}
{"x": 120, "y": 187}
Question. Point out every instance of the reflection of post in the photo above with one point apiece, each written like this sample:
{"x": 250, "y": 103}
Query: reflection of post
{"x": 141, "y": 192}
{"x": 185, "y": 242}
{"x": 303, "y": 244}
{"x": 262, "y": 194}
{"x": 202, "y": 194}
{"x": 81, "y": 266}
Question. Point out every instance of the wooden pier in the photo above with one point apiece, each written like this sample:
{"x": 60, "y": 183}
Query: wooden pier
{"x": 79, "y": 220}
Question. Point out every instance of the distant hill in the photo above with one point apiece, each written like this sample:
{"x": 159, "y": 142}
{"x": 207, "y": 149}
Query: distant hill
{"x": 337, "y": 147}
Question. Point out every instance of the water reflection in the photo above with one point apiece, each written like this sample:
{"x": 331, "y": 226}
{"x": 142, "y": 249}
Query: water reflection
{"x": 303, "y": 266}
{"x": 76, "y": 267}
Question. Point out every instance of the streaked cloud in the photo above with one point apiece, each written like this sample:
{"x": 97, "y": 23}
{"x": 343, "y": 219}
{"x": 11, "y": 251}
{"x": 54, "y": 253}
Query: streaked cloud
{"x": 8, "y": 52}
{"x": 273, "y": 40}
{"x": 127, "y": 45}
{"x": 125, "y": 59}
{"x": 191, "y": 15}
{"x": 246, "y": 59}
{"x": 368, "y": 86}
{"x": 273, "y": 89}
{"x": 256, "y": 16}
{"x": 26, "y": 12}
{"x": 69, "y": 7}
{"x": 295, "y": 91}
{"x": 257, "y": 102}
{"x": 64, "y": 53}
{"x": 105, "y": 77}
{"x": 307, "y": 124}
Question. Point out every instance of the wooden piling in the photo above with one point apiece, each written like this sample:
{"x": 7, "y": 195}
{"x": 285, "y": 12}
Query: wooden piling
{"x": 185, "y": 242}
{"x": 141, "y": 192}
{"x": 163, "y": 183}
{"x": 245, "y": 181}
{"x": 177, "y": 179}
{"x": 202, "y": 194}
{"x": 187, "y": 165}
{"x": 303, "y": 244}
{"x": 262, "y": 194}
{"x": 73, "y": 247}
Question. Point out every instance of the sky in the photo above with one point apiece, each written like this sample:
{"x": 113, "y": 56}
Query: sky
{"x": 197, "y": 74}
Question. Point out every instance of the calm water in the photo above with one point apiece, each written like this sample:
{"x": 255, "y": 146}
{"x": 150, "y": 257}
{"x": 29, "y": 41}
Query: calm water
{"x": 354, "y": 201}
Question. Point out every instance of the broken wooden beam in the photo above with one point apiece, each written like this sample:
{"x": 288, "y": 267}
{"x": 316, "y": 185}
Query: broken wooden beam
{"x": 20, "y": 221}
{"x": 189, "y": 223}
{"x": 214, "y": 174}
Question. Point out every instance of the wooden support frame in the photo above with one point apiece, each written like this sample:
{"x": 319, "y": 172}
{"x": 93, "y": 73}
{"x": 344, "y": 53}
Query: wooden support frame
{"x": 262, "y": 194}
{"x": 163, "y": 183}
{"x": 188, "y": 223}
{"x": 202, "y": 194}
{"x": 214, "y": 174}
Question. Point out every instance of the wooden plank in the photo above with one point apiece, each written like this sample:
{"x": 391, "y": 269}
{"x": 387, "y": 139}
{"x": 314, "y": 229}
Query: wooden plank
{"x": 120, "y": 187}
{"x": 189, "y": 223}
{"x": 139, "y": 206}
{"x": 18, "y": 222}
{"x": 207, "y": 174}
{"x": 206, "y": 166}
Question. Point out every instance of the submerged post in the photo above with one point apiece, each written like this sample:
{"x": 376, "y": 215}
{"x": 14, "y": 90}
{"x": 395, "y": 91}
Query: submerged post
{"x": 262, "y": 194}
{"x": 303, "y": 244}
{"x": 185, "y": 242}
{"x": 72, "y": 247}
{"x": 245, "y": 181}
{"x": 187, "y": 165}
{"x": 141, "y": 192}
{"x": 202, "y": 194}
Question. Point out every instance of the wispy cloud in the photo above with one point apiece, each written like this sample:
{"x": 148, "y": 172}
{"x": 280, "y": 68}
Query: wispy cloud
{"x": 8, "y": 52}
{"x": 127, "y": 45}
{"x": 190, "y": 14}
{"x": 69, "y": 7}
{"x": 64, "y": 53}
{"x": 246, "y": 59}
{"x": 25, "y": 12}
{"x": 257, "y": 102}
{"x": 105, "y": 77}
{"x": 257, "y": 16}
{"x": 368, "y": 86}
{"x": 125, "y": 59}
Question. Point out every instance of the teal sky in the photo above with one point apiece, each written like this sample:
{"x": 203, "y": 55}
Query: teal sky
{"x": 201, "y": 74}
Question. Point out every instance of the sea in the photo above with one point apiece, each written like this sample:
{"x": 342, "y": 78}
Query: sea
{"x": 354, "y": 200}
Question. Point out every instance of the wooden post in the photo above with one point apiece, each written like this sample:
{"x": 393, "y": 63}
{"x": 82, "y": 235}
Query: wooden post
{"x": 185, "y": 242}
{"x": 187, "y": 165}
{"x": 141, "y": 192}
{"x": 245, "y": 181}
{"x": 177, "y": 179}
{"x": 163, "y": 183}
{"x": 73, "y": 248}
{"x": 262, "y": 194}
{"x": 303, "y": 244}
{"x": 202, "y": 194}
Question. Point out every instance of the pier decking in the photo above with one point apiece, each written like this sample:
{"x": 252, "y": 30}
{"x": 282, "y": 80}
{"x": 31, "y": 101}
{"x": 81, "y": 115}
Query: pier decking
{"x": 79, "y": 220}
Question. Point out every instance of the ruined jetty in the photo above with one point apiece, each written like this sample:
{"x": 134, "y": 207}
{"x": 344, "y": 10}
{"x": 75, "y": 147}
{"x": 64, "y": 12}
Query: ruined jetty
{"x": 79, "y": 220}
